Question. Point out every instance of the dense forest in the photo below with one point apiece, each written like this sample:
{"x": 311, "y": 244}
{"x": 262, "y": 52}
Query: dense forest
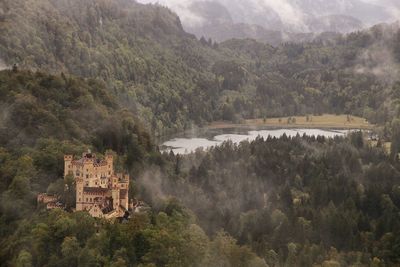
{"x": 114, "y": 75}
{"x": 174, "y": 81}
{"x": 295, "y": 201}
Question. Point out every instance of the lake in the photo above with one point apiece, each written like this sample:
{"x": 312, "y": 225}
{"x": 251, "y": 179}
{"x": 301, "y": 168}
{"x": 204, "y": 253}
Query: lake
{"x": 188, "y": 142}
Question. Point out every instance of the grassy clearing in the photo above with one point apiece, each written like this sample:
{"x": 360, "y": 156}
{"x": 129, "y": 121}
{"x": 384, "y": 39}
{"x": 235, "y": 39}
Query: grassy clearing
{"x": 311, "y": 121}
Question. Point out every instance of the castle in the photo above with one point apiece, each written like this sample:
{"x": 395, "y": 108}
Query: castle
{"x": 99, "y": 190}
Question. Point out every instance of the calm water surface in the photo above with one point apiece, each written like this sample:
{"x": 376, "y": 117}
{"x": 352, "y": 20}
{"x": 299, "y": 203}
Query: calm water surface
{"x": 188, "y": 142}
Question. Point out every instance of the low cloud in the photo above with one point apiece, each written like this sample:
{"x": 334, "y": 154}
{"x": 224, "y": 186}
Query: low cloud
{"x": 3, "y": 65}
{"x": 150, "y": 185}
{"x": 392, "y": 7}
{"x": 379, "y": 61}
{"x": 182, "y": 8}
{"x": 294, "y": 14}
{"x": 288, "y": 13}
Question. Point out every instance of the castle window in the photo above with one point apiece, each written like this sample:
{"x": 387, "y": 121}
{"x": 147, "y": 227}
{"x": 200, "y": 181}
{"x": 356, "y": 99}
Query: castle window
{"x": 87, "y": 200}
{"x": 79, "y": 199}
{"x": 109, "y": 173}
{"x": 91, "y": 200}
{"x": 87, "y": 176}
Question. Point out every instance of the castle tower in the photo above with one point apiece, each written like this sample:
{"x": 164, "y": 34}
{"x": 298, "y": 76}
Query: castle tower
{"x": 124, "y": 189}
{"x": 88, "y": 172}
{"x": 115, "y": 197}
{"x": 79, "y": 194}
{"x": 67, "y": 164}
{"x": 110, "y": 164}
{"x": 115, "y": 191}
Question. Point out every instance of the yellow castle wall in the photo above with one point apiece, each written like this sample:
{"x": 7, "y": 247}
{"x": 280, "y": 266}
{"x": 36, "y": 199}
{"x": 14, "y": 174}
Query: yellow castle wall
{"x": 88, "y": 174}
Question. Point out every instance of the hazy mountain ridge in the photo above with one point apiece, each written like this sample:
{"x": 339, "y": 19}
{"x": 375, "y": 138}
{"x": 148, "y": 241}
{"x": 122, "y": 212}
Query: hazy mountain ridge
{"x": 222, "y": 19}
{"x": 221, "y": 32}
{"x": 368, "y": 13}
{"x": 335, "y": 23}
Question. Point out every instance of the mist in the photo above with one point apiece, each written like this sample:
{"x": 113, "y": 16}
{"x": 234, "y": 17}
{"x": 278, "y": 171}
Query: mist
{"x": 289, "y": 15}
{"x": 378, "y": 59}
{"x": 156, "y": 187}
{"x": 3, "y": 66}
{"x": 391, "y": 6}
{"x": 244, "y": 9}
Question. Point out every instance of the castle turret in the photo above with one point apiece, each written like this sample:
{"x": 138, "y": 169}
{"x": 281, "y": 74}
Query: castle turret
{"x": 88, "y": 172}
{"x": 115, "y": 197}
{"x": 110, "y": 163}
{"x": 67, "y": 164}
{"x": 79, "y": 194}
{"x": 124, "y": 189}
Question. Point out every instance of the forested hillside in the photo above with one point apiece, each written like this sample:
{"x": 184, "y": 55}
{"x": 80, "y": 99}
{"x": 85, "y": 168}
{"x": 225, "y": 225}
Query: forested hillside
{"x": 113, "y": 75}
{"x": 173, "y": 81}
{"x": 45, "y": 117}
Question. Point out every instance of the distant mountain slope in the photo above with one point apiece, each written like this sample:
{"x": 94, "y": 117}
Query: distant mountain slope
{"x": 335, "y": 23}
{"x": 300, "y": 15}
{"x": 367, "y": 12}
{"x": 173, "y": 81}
{"x": 223, "y": 19}
{"x": 221, "y": 32}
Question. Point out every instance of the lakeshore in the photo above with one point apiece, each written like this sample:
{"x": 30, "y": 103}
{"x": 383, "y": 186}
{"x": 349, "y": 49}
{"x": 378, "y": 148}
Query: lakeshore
{"x": 325, "y": 121}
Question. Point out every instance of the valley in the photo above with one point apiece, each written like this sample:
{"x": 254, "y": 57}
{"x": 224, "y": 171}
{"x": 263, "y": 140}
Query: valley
{"x": 287, "y": 178}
